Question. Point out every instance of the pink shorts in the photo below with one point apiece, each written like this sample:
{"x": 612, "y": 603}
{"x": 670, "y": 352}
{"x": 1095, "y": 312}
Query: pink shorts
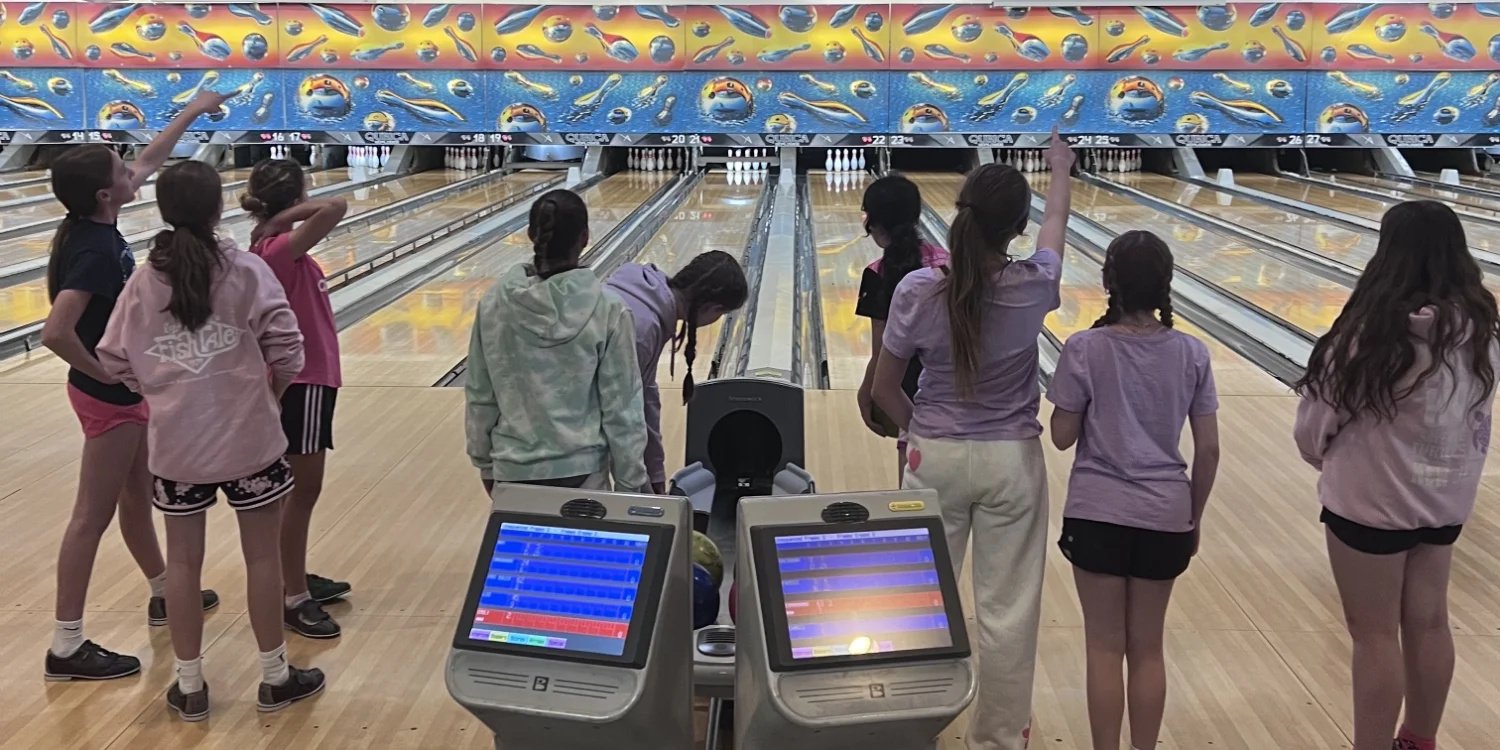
{"x": 99, "y": 417}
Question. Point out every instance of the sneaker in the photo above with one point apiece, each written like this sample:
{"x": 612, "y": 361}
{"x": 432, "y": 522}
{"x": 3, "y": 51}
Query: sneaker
{"x": 156, "y": 609}
{"x": 90, "y": 662}
{"x": 326, "y": 589}
{"x": 190, "y": 706}
{"x": 310, "y": 621}
{"x": 304, "y": 683}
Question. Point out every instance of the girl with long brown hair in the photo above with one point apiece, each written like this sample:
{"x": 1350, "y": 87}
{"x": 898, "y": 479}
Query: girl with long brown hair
{"x": 974, "y": 434}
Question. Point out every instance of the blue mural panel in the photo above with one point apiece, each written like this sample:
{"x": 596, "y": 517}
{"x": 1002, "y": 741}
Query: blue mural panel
{"x": 1403, "y": 102}
{"x": 148, "y": 99}
{"x": 41, "y": 99}
{"x": 535, "y": 101}
{"x": 385, "y": 100}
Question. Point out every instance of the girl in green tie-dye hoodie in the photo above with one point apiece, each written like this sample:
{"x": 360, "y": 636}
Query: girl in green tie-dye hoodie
{"x": 554, "y": 392}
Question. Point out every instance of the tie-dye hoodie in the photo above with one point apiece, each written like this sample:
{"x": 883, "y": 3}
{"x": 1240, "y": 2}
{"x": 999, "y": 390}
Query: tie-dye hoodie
{"x": 553, "y": 388}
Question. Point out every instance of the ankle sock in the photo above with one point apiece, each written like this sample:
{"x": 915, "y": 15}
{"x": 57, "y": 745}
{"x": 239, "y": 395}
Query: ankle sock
{"x": 1407, "y": 739}
{"x": 273, "y": 666}
{"x": 296, "y": 600}
{"x": 190, "y": 675}
{"x": 67, "y": 638}
{"x": 158, "y": 585}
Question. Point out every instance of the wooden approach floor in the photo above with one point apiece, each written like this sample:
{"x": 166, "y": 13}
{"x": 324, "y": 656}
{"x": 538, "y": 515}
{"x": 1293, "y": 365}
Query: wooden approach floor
{"x": 1257, "y": 654}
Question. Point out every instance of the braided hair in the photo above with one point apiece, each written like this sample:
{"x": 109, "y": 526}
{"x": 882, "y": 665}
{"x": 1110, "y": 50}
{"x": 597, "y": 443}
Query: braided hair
{"x": 713, "y": 279}
{"x": 559, "y": 227}
{"x": 1138, "y": 276}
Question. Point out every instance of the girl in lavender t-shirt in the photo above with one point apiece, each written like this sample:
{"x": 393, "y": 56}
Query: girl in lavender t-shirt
{"x": 973, "y": 430}
{"x": 1123, "y": 390}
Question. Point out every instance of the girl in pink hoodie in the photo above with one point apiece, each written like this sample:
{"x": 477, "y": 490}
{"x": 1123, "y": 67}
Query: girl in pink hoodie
{"x": 196, "y": 333}
{"x": 1395, "y": 413}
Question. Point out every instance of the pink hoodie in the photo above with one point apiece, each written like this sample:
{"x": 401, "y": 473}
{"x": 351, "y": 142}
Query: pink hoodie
{"x": 1419, "y": 470}
{"x": 214, "y": 417}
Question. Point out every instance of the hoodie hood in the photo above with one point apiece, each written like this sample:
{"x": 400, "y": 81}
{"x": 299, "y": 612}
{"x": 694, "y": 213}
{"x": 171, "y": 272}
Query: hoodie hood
{"x": 645, "y": 288}
{"x": 1421, "y": 321}
{"x": 554, "y": 310}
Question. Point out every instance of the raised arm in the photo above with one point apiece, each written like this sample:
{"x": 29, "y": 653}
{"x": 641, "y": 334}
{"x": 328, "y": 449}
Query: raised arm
{"x": 313, "y": 219}
{"x": 159, "y": 150}
{"x": 1054, "y": 232}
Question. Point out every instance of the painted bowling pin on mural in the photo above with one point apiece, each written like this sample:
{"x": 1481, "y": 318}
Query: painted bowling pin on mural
{"x": 210, "y": 45}
{"x": 744, "y": 20}
{"x": 107, "y": 19}
{"x": 1452, "y": 45}
{"x": 1026, "y": 45}
{"x": 616, "y": 46}
{"x": 338, "y": 20}
{"x": 426, "y": 110}
{"x": 925, "y": 19}
{"x": 1162, "y": 20}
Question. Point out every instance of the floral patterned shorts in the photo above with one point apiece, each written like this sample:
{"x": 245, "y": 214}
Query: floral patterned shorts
{"x": 261, "y": 488}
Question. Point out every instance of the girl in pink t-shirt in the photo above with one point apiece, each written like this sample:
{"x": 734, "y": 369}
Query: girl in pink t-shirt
{"x": 1123, "y": 391}
{"x": 277, "y": 198}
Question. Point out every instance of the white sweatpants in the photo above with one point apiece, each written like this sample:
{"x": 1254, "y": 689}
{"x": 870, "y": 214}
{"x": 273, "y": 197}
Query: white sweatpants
{"x": 998, "y": 491}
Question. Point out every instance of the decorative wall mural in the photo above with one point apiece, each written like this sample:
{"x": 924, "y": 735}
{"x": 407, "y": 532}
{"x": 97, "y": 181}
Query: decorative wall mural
{"x": 385, "y": 100}
{"x": 582, "y": 37}
{"x": 1435, "y": 36}
{"x": 1238, "y": 36}
{"x": 393, "y": 36}
{"x": 135, "y": 99}
{"x": 787, "y": 37}
{"x": 147, "y": 35}
{"x": 931, "y": 37}
{"x": 41, "y": 99}
{"x": 41, "y": 34}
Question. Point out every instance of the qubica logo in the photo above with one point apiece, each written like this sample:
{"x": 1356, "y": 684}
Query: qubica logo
{"x": 193, "y": 350}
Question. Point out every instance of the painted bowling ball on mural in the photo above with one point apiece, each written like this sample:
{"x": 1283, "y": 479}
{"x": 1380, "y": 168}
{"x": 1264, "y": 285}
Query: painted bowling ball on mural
{"x": 427, "y": 51}
{"x": 121, "y": 115}
{"x": 1343, "y": 118}
{"x": 329, "y": 56}
{"x": 23, "y": 49}
{"x": 390, "y": 17}
{"x": 199, "y": 10}
{"x": 862, "y": 89}
{"x": 1136, "y": 99}
{"x": 466, "y": 21}
{"x": 1295, "y": 20}
{"x": 1279, "y": 88}
{"x": 380, "y": 122}
{"x": 1441, "y": 11}
{"x": 726, "y": 99}
{"x": 1328, "y": 54}
{"x": 798, "y": 18}
{"x": 151, "y": 27}
{"x": 701, "y": 29}
{"x": 873, "y": 21}
{"x": 293, "y": 27}
{"x": 606, "y": 12}
{"x": 781, "y": 123}
{"x": 1023, "y": 115}
{"x": 924, "y": 118}
{"x": 324, "y": 97}
{"x": 1495, "y": 48}
{"x": 361, "y": 82}
{"x": 521, "y": 118}
{"x": 906, "y": 55}
{"x": 1075, "y": 48}
{"x": 557, "y": 29}
{"x": 662, "y": 50}
{"x": 93, "y": 52}
{"x": 1390, "y": 28}
{"x": 1253, "y": 52}
{"x": 60, "y": 86}
{"x": 967, "y": 28}
{"x": 255, "y": 47}
{"x": 619, "y": 115}
{"x": 460, "y": 88}
{"x": 833, "y": 53}
{"x": 1445, "y": 115}
{"x": 1115, "y": 28}
{"x": 1216, "y": 17}
{"x": 1191, "y": 123}
{"x": 60, "y": 19}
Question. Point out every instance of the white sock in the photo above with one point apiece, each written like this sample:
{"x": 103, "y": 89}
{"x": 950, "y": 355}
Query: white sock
{"x": 67, "y": 638}
{"x": 273, "y": 666}
{"x": 158, "y": 585}
{"x": 296, "y": 600}
{"x": 190, "y": 675}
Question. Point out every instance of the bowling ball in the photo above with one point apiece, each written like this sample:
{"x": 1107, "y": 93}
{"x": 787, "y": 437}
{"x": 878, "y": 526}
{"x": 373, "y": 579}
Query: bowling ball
{"x": 706, "y": 553}
{"x": 151, "y": 27}
{"x": 705, "y": 598}
{"x": 734, "y": 602}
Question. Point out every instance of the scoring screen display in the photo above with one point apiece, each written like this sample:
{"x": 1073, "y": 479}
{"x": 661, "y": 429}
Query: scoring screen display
{"x": 568, "y": 589}
{"x": 864, "y": 593}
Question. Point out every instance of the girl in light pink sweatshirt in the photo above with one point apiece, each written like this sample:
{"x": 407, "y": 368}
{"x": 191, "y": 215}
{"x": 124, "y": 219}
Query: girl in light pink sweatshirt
{"x": 205, "y": 334}
{"x": 1395, "y": 413}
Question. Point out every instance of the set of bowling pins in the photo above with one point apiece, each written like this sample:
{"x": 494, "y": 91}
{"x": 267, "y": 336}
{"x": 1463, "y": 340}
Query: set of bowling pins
{"x": 1112, "y": 160}
{"x": 844, "y": 160}
{"x": 839, "y": 182}
{"x": 471, "y": 158}
{"x": 369, "y": 157}
{"x": 1026, "y": 159}
{"x": 285, "y": 152}
{"x": 747, "y": 160}
{"x": 747, "y": 177}
{"x": 656, "y": 159}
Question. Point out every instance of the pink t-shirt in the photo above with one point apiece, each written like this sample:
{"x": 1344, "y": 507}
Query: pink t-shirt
{"x": 1135, "y": 392}
{"x": 307, "y": 290}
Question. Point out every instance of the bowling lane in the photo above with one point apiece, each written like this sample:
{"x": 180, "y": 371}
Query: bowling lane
{"x": 417, "y": 338}
{"x": 717, "y": 215}
{"x": 1084, "y": 298}
{"x": 25, "y": 191}
{"x": 1480, "y": 236}
{"x": 38, "y": 244}
{"x": 1410, "y": 190}
{"x": 1483, "y": 182}
{"x": 843, "y": 253}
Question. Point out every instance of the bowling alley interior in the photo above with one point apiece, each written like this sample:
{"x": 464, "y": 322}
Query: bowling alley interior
{"x": 723, "y": 609}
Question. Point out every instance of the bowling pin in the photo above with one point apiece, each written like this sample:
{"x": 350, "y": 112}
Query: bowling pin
{"x": 828, "y": 161}
{"x": 861, "y": 164}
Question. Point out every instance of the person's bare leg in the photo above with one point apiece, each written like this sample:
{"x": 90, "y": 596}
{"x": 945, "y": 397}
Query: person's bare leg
{"x": 1148, "y": 667}
{"x": 136, "y": 524}
{"x": 103, "y": 472}
{"x": 1105, "y": 606}
{"x": 1370, "y": 587}
{"x": 296, "y": 519}
{"x": 260, "y": 542}
{"x": 1426, "y": 640}
{"x": 185, "y": 541}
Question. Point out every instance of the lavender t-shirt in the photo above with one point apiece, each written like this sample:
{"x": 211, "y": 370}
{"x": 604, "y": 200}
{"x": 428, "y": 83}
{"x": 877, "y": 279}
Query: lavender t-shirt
{"x": 1134, "y": 392}
{"x": 1006, "y": 396}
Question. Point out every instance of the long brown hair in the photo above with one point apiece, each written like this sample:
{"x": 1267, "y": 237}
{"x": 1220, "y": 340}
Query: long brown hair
{"x": 992, "y": 210}
{"x": 190, "y": 195}
{"x": 77, "y": 177}
{"x": 1138, "y": 276}
{"x": 274, "y": 186}
{"x": 558, "y": 221}
{"x": 713, "y": 278}
{"x": 1421, "y": 260}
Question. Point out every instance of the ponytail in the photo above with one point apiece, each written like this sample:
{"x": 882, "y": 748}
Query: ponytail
{"x": 713, "y": 279}
{"x": 274, "y": 186}
{"x": 558, "y": 229}
{"x": 992, "y": 210}
{"x": 893, "y": 205}
{"x": 77, "y": 177}
{"x": 190, "y": 197}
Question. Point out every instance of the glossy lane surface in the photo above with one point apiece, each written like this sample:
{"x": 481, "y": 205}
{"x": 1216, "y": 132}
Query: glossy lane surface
{"x": 843, "y": 253}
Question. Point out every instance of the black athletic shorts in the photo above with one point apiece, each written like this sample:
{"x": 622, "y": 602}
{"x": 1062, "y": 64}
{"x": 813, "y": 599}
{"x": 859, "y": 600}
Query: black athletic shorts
{"x": 307, "y": 418}
{"x": 1373, "y": 541}
{"x": 1113, "y": 550}
{"x": 261, "y": 488}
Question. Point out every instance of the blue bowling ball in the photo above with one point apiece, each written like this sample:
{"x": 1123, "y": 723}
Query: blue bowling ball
{"x": 705, "y": 597}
